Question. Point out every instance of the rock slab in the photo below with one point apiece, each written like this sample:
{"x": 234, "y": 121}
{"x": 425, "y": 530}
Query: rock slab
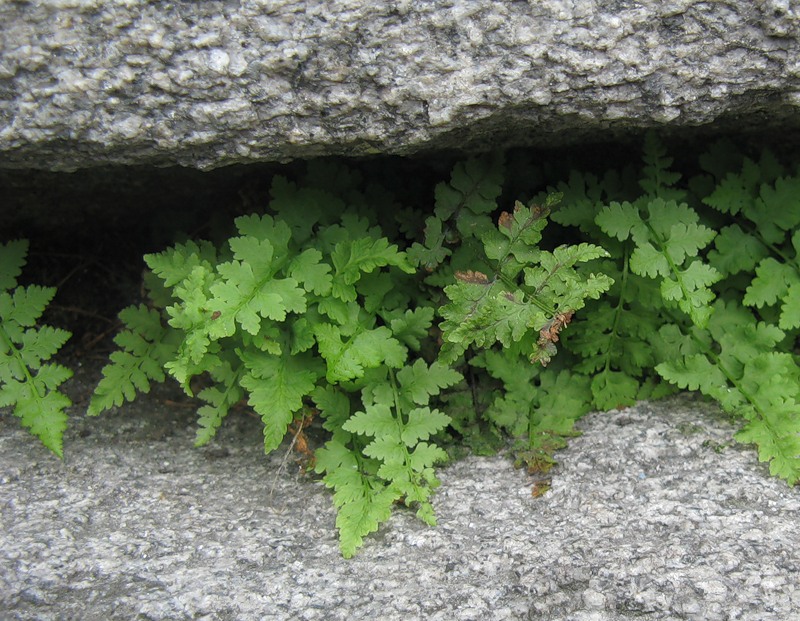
{"x": 205, "y": 84}
{"x": 652, "y": 515}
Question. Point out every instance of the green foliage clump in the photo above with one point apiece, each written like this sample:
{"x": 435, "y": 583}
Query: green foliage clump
{"x": 310, "y": 307}
{"x": 408, "y": 334}
{"x": 720, "y": 318}
{"x": 506, "y": 301}
{"x": 28, "y": 382}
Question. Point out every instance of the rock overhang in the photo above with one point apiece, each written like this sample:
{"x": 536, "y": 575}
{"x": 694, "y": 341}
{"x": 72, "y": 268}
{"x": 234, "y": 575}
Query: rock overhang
{"x": 207, "y": 85}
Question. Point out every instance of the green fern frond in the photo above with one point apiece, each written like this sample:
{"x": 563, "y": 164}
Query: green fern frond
{"x": 28, "y": 382}
{"x": 667, "y": 237}
{"x": 530, "y": 290}
{"x": 734, "y": 363}
{"x": 145, "y": 347}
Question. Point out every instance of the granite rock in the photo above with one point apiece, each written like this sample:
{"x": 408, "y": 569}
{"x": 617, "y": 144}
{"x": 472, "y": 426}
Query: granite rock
{"x": 206, "y": 84}
{"x": 653, "y": 514}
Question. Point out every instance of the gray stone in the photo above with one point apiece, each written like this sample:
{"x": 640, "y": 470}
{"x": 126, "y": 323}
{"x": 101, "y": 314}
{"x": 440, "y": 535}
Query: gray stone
{"x": 206, "y": 84}
{"x": 652, "y": 515}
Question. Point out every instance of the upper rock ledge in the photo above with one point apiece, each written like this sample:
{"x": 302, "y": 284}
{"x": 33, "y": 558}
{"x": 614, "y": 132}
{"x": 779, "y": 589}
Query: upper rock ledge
{"x": 205, "y": 84}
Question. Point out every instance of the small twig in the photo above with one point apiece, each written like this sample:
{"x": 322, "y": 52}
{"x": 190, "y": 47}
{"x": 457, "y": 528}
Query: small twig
{"x": 298, "y": 440}
{"x": 71, "y": 273}
{"x": 79, "y": 311}
{"x": 88, "y": 346}
{"x": 284, "y": 460}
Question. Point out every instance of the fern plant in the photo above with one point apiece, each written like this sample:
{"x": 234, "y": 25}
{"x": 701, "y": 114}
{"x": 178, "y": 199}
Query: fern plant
{"x": 407, "y": 333}
{"x": 317, "y": 308}
{"x": 298, "y": 309}
{"x": 734, "y": 361}
{"x": 527, "y": 289}
{"x": 675, "y": 308}
{"x": 29, "y": 382}
{"x": 501, "y": 289}
{"x": 380, "y": 454}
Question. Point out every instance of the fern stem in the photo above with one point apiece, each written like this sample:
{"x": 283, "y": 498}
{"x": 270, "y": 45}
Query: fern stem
{"x": 513, "y": 285}
{"x": 755, "y": 232}
{"x": 413, "y": 478}
{"x": 732, "y": 380}
{"x": 472, "y": 191}
{"x": 396, "y": 398}
{"x": 618, "y": 311}
{"x": 526, "y": 290}
{"x": 673, "y": 268}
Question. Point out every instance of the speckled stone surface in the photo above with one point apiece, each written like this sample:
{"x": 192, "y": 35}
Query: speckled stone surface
{"x": 652, "y": 515}
{"x": 205, "y": 84}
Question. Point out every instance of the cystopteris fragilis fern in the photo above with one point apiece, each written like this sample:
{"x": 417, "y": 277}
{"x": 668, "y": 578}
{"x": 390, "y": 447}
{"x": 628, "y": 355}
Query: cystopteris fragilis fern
{"x": 291, "y": 310}
{"x": 750, "y": 351}
{"x": 394, "y": 461}
{"x": 461, "y": 215}
{"x": 319, "y": 303}
{"x": 519, "y": 296}
{"x": 612, "y": 334}
{"x": 146, "y": 345}
{"x": 537, "y": 406}
{"x": 763, "y": 241}
{"x": 28, "y": 382}
{"x": 527, "y": 289}
{"x": 667, "y": 237}
{"x": 734, "y": 361}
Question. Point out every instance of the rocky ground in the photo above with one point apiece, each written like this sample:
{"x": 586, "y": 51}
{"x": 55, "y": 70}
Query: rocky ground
{"x": 652, "y": 514}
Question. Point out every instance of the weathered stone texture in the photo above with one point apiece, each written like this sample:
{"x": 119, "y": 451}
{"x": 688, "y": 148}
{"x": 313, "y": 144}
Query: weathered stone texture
{"x": 204, "y": 84}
